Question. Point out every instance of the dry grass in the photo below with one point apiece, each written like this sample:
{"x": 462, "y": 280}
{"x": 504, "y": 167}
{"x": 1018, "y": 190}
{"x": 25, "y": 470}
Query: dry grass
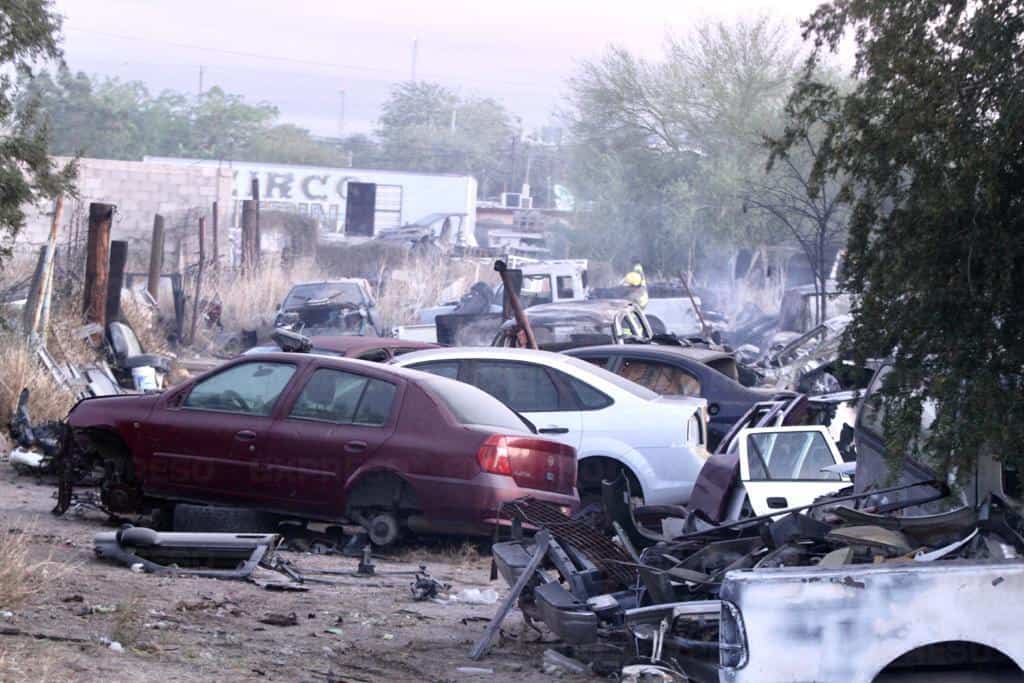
{"x": 21, "y": 577}
{"x": 414, "y": 283}
{"x": 128, "y": 622}
{"x": 20, "y": 368}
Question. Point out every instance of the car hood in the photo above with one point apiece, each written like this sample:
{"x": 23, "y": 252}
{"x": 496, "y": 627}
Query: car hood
{"x": 107, "y": 410}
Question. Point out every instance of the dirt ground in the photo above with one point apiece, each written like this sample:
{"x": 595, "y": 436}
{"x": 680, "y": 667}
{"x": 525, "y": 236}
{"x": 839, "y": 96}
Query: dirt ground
{"x": 184, "y": 629}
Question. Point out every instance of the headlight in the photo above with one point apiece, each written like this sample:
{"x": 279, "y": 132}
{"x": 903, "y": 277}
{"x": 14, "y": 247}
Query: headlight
{"x": 732, "y": 638}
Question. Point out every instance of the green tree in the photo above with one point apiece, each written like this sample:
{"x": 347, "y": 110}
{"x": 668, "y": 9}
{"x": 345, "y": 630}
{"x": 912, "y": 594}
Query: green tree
{"x": 426, "y": 127}
{"x": 29, "y": 32}
{"x": 929, "y": 142}
{"x": 222, "y": 124}
{"x": 687, "y": 134}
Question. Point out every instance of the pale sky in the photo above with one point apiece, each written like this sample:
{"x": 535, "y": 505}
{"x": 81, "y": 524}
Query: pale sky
{"x": 299, "y": 54}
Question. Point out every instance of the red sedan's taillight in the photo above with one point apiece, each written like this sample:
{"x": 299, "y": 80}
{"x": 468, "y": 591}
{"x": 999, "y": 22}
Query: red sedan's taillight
{"x": 532, "y": 462}
{"x": 493, "y": 456}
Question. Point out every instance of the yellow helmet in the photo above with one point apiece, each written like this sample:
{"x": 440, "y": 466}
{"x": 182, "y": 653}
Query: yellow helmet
{"x": 633, "y": 279}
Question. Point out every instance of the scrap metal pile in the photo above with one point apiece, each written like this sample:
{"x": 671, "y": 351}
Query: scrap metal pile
{"x": 657, "y": 601}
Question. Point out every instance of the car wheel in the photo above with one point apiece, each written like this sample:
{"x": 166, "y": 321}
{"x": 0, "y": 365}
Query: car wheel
{"x": 384, "y": 529}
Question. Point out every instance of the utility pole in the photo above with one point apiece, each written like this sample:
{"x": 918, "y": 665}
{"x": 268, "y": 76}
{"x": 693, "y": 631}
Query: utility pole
{"x": 341, "y": 115}
{"x": 201, "y": 70}
{"x": 415, "y": 54}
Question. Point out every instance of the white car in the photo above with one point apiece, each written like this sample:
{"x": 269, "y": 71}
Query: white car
{"x": 614, "y": 424}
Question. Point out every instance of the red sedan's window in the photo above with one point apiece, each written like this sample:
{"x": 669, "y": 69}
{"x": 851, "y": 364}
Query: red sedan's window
{"x": 249, "y": 388}
{"x": 345, "y": 398}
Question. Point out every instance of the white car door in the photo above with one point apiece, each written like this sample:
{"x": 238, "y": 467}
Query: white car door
{"x": 528, "y": 388}
{"x": 782, "y": 467}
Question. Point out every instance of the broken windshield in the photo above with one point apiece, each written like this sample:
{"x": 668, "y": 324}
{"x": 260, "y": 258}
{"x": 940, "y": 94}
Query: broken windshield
{"x": 320, "y": 292}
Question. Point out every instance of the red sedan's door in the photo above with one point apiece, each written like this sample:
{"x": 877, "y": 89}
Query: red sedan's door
{"x": 334, "y": 423}
{"x": 204, "y": 445}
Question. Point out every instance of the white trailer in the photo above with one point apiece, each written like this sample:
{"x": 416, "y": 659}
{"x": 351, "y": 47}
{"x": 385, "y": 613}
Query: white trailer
{"x": 351, "y": 202}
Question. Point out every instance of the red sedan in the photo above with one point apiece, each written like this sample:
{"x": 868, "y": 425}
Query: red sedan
{"x": 323, "y": 438}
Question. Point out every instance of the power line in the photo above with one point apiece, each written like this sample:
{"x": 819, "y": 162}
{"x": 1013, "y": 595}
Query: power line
{"x": 293, "y": 60}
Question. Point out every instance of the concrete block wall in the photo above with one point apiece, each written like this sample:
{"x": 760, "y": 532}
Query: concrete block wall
{"x": 139, "y": 190}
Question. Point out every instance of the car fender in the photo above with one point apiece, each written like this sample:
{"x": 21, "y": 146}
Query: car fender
{"x": 371, "y": 469}
{"x": 614, "y": 449}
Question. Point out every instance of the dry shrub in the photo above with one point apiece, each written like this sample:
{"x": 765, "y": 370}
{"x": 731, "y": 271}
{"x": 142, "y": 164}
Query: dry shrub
{"x": 418, "y": 282}
{"x": 20, "y": 368}
{"x": 250, "y": 302}
{"x": 20, "y": 576}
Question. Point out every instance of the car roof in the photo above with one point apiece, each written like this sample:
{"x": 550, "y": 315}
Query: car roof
{"x": 354, "y": 344}
{"x": 705, "y": 356}
{"x": 504, "y": 353}
{"x": 352, "y": 364}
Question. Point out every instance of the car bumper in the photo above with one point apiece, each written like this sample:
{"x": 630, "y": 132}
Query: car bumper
{"x": 475, "y": 504}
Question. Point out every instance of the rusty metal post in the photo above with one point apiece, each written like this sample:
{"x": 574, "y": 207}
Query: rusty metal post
{"x": 97, "y": 263}
{"x": 704, "y": 329}
{"x": 156, "y": 257}
{"x": 250, "y": 223}
{"x": 199, "y": 280}
{"x": 517, "y": 307}
{"x": 118, "y": 260}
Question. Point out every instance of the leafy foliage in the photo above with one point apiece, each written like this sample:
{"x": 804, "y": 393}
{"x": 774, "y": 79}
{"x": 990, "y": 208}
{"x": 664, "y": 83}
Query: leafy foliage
{"x": 113, "y": 119}
{"x": 666, "y": 150}
{"x": 29, "y": 32}
{"x": 929, "y": 142}
{"x": 426, "y": 127}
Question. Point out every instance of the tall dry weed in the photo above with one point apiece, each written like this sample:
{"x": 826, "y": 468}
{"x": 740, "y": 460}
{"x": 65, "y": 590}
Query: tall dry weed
{"x": 20, "y": 368}
{"x": 21, "y": 577}
{"x": 420, "y": 282}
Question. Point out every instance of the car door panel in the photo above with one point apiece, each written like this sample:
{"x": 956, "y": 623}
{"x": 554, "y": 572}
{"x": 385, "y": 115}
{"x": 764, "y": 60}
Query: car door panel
{"x": 781, "y": 467}
{"x": 531, "y": 390}
{"x": 318, "y": 441}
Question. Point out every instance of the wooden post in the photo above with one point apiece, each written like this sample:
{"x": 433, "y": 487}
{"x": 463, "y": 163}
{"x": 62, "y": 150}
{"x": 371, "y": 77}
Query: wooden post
{"x": 216, "y": 237}
{"x": 97, "y": 263}
{"x": 156, "y": 257}
{"x": 258, "y": 239}
{"x": 118, "y": 259}
{"x": 250, "y": 245}
{"x": 34, "y": 316}
{"x": 199, "y": 280}
{"x": 30, "y": 315}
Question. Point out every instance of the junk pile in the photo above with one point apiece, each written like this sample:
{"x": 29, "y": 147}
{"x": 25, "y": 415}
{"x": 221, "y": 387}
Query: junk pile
{"x": 649, "y": 600}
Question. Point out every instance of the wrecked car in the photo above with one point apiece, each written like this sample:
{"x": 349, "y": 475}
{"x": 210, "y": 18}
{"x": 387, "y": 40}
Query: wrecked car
{"x": 684, "y": 371}
{"x": 868, "y": 575}
{"x": 319, "y": 438}
{"x": 569, "y": 325}
{"x": 333, "y": 307}
{"x": 616, "y": 426}
{"x": 442, "y": 231}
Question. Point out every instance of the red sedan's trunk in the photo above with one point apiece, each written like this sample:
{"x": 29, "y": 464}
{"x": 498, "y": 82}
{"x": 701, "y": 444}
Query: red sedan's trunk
{"x": 532, "y": 463}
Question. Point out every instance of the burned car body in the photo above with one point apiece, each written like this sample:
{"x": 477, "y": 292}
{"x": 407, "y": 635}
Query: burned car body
{"x": 583, "y": 323}
{"x": 342, "y": 306}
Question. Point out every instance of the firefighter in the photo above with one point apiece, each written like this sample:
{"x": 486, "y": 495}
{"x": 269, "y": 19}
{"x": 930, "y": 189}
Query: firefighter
{"x": 637, "y": 284}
